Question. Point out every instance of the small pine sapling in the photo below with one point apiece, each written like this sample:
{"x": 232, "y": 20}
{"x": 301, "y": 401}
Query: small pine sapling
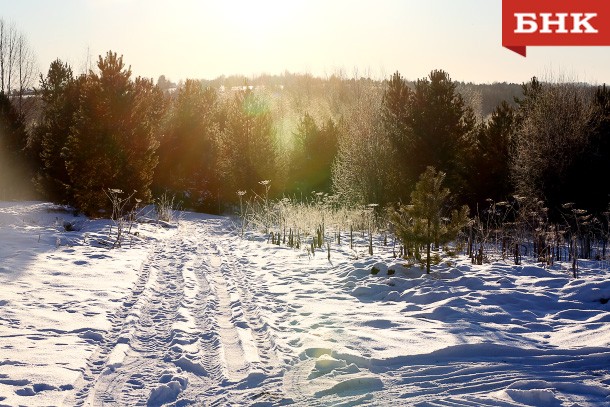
{"x": 423, "y": 222}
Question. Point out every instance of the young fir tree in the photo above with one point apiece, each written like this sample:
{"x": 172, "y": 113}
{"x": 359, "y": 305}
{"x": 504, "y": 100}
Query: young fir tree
{"x": 423, "y": 222}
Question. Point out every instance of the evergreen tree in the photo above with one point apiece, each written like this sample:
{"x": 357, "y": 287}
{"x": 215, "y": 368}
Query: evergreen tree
{"x": 59, "y": 93}
{"x": 423, "y": 222}
{"x": 188, "y": 149}
{"x": 315, "y": 151}
{"x": 15, "y": 164}
{"x": 488, "y": 160}
{"x": 114, "y": 137}
{"x": 248, "y": 148}
{"x": 395, "y": 114}
{"x": 581, "y": 183}
{"x": 323, "y": 151}
{"x": 441, "y": 125}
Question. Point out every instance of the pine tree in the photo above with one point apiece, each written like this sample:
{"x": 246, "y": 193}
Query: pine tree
{"x": 395, "y": 115}
{"x": 423, "y": 222}
{"x": 248, "y": 148}
{"x": 59, "y": 94}
{"x": 188, "y": 150}
{"x": 441, "y": 124}
{"x": 114, "y": 137}
{"x": 15, "y": 165}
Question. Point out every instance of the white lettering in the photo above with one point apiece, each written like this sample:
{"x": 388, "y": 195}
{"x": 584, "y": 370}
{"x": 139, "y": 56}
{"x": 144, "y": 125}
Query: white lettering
{"x": 526, "y": 23}
{"x": 559, "y": 22}
{"x": 580, "y": 23}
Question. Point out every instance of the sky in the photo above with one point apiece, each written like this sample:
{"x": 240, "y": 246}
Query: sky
{"x": 203, "y": 39}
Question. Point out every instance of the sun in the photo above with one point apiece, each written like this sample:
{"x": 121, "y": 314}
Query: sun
{"x": 261, "y": 19}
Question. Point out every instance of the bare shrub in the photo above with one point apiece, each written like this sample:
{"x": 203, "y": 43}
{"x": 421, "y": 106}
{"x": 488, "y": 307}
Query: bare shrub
{"x": 124, "y": 214}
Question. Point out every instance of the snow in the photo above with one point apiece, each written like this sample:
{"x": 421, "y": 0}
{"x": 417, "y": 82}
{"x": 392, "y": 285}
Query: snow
{"x": 196, "y": 315}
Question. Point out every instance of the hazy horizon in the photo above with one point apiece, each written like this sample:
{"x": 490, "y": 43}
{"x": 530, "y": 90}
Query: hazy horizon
{"x": 205, "y": 40}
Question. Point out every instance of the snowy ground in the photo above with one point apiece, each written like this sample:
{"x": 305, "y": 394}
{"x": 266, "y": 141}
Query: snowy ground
{"x": 196, "y": 315}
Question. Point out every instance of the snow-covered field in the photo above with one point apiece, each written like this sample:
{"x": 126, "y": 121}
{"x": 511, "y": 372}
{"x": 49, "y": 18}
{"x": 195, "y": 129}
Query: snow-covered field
{"x": 197, "y": 315}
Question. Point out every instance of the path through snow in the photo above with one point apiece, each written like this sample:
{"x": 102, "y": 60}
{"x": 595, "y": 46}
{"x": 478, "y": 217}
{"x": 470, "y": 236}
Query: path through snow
{"x": 190, "y": 331}
{"x": 199, "y": 316}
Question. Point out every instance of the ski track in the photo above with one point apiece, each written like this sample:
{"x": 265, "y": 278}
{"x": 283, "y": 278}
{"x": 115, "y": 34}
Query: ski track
{"x": 191, "y": 332}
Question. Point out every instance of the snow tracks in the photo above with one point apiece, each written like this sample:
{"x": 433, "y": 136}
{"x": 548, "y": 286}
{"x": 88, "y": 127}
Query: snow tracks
{"x": 190, "y": 332}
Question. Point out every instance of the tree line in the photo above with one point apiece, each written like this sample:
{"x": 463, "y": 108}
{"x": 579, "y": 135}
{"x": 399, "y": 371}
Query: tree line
{"x": 364, "y": 140}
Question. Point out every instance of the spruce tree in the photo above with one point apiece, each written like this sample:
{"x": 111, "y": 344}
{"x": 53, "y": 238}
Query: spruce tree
{"x": 314, "y": 153}
{"x": 488, "y": 161}
{"x": 395, "y": 115}
{"x": 248, "y": 148}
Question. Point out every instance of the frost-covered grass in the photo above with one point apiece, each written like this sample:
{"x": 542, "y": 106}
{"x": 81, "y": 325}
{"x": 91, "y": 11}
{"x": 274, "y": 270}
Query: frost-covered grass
{"x": 321, "y": 220}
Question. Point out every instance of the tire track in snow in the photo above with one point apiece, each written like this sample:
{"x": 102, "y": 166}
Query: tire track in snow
{"x": 163, "y": 342}
{"x": 155, "y": 335}
{"x": 259, "y": 330}
{"x": 234, "y": 348}
{"x": 97, "y": 361}
{"x": 247, "y": 346}
{"x": 190, "y": 332}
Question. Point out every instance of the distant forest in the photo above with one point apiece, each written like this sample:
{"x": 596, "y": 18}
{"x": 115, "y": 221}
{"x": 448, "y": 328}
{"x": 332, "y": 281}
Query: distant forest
{"x": 365, "y": 141}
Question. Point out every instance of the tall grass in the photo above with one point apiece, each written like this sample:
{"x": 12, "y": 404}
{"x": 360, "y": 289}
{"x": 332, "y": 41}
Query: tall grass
{"x": 315, "y": 222}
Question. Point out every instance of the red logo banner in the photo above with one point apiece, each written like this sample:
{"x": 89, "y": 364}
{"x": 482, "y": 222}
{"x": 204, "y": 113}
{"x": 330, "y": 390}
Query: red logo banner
{"x": 554, "y": 23}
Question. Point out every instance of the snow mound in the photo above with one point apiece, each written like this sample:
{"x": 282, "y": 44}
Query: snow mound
{"x": 168, "y": 390}
{"x": 534, "y": 397}
{"x": 355, "y": 385}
